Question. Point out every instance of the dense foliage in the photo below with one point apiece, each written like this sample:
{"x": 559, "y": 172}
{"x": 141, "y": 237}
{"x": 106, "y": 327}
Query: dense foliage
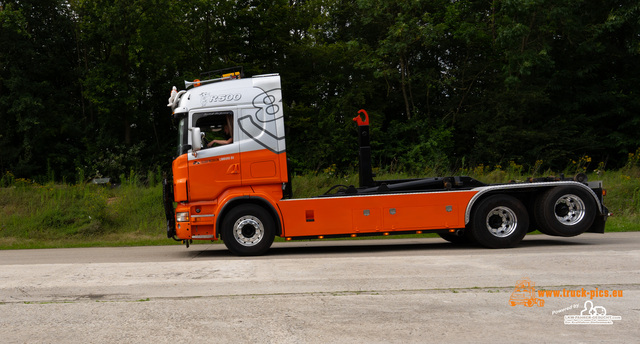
{"x": 448, "y": 84}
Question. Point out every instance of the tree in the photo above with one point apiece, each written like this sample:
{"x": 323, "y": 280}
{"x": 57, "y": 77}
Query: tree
{"x": 129, "y": 53}
{"x": 39, "y": 93}
{"x": 563, "y": 92}
{"x": 84, "y": 83}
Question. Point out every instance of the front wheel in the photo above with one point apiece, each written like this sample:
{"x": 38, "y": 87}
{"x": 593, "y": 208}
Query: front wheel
{"x": 499, "y": 221}
{"x": 248, "y": 230}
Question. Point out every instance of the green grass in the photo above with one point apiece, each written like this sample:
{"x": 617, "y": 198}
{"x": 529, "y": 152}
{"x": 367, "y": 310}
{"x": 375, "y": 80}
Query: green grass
{"x": 58, "y": 215}
{"x": 49, "y": 216}
{"x": 623, "y": 199}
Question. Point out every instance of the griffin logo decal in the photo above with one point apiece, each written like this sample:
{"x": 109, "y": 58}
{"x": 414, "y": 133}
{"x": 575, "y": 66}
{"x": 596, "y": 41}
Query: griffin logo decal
{"x": 264, "y": 120}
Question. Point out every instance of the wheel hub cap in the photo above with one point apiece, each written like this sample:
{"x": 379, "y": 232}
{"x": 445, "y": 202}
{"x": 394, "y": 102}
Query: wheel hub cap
{"x": 569, "y": 210}
{"x": 501, "y": 222}
{"x": 248, "y": 230}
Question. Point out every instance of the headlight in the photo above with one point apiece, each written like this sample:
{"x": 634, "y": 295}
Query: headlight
{"x": 182, "y": 217}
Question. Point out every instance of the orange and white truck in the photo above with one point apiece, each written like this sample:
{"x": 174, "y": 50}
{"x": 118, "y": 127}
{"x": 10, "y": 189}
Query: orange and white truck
{"x": 238, "y": 188}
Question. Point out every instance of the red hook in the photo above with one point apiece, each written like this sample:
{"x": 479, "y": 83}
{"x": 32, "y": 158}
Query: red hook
{"x": 358, "y": 119}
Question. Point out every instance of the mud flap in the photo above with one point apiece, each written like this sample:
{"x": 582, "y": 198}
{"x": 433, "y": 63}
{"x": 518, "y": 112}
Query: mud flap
{"x": 598, "y": 223}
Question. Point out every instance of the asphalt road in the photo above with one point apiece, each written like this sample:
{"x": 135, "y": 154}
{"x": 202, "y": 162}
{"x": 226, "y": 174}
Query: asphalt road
{"x": 354, "y": 291}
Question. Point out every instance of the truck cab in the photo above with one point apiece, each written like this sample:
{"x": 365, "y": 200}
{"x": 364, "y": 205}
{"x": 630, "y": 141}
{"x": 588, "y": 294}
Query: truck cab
{"x": 207, "y": 174}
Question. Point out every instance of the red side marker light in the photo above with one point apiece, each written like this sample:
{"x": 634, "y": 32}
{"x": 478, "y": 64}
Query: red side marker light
{"x": 309, "y": 216}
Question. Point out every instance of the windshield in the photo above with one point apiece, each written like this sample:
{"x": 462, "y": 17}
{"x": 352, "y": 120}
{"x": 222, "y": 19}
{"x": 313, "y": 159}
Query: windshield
{"x": 182, "y": 136}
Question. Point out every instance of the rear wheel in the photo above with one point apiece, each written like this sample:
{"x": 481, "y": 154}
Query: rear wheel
{"x": 565, "y": 211}
{"x": 499, "y": 221}
{"x": 248, "y": 230}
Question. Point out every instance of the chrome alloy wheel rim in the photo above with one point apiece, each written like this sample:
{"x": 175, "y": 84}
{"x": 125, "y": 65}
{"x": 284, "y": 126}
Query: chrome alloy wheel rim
{"x": 248, "y": 230}
{"x": 501, "y": 222}
{"x": 569, "y": 209}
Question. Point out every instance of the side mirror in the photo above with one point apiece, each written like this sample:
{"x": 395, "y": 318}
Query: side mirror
{"x": 196, "y": 139}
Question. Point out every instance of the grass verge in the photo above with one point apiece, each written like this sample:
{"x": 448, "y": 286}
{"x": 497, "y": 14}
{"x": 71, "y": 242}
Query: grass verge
{"x": 55, "y": 215}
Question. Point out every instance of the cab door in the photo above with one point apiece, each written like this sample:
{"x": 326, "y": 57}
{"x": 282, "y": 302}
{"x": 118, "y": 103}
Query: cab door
{"x": 217, "y": 168}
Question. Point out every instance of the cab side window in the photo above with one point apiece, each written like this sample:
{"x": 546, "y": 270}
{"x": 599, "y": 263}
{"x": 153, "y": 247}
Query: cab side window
{"x": 216, "y": 128}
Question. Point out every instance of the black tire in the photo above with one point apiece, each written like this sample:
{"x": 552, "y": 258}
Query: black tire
{"x": 248, "y": 230}
{"x": 499, "y": 221}
{"x": 565, "y": 211}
